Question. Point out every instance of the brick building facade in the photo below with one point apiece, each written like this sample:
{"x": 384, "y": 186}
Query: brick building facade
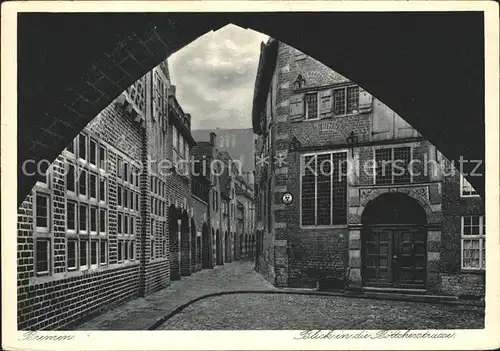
{"x": 375, "y": 206}
{"x": 117, "y": 216}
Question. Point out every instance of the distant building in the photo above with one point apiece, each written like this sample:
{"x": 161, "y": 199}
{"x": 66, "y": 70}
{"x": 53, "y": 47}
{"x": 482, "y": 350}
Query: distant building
{"x": 380, "y": 227}
{"x": 239, "y": 143}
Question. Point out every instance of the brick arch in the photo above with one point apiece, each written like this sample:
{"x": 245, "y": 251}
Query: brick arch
{"x": 375, "y": 193}
{"x": 63, "y": 84}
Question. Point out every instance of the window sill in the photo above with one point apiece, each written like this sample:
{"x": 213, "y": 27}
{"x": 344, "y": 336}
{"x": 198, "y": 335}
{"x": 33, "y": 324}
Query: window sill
{"x": 469, "y": 196}
{"x": 481, "y": 271}
{"x": 321, "y": 227}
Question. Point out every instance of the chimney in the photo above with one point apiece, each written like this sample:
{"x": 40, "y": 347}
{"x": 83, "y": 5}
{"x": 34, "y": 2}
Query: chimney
{"x": 212, "y": 138}
{"x": 171, "y": 90}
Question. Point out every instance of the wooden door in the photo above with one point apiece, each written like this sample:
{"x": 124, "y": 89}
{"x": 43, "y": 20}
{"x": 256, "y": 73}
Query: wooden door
{"x": 409, "y": 258}
{"x": 377, "y": 253}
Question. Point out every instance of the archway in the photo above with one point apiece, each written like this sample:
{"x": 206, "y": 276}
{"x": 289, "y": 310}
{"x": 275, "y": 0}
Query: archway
{"x": 205, "y": 247}
{"x": 218, "y": 248}
{"x": 227, "y": 247}
{"x": 394, "y": 242}
{"x": 175, "y": 241}
{"x": 68, "y": 83}
{"x": 194, "y": 248}
{"x": 185, "y": 245}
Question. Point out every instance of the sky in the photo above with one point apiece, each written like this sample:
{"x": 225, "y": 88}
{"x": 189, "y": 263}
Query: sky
{"x": 215, "y": 76}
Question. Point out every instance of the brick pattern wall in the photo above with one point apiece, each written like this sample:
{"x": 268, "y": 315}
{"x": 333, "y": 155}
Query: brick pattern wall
{"x": 454, "y": 280}
{"x": 297, "y": 256}
{"x": 65, "y": 298}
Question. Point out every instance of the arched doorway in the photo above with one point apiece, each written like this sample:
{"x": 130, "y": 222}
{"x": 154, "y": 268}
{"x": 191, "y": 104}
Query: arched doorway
{"x": 218, "y": 248}
{"x": 394, "y": 242}
{"x": 185, "y": 245}
{"x": 173, "y": 217}
{"x": 194, "y": 249}
{"x": 205, "y": 247}
{"x": 226, "y": 247}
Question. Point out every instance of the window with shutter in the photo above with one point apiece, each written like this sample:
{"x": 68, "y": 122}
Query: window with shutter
{"x": 311, "y": 106}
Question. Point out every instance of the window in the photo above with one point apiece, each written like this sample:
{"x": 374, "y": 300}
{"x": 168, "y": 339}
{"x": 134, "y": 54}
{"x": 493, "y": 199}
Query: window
{"x": 70, "y": 178}
{"x": 473, "y": 242}
{"x": 119, "y": 223}
{"x": 93, "y": 185}
{"x": 324, "y": 189}
{"x": 42, "y": 256}
{"x": 83, "y": 253}
{"x": 83, "y": 218}
{"x": 125, "y": 197}
{"x": 93, "y": 219}
{"x": 93, "y": 152}
{"x": 102, "y": 220}
{"x": 82, "y": 146}
{"x": 42, "y": 212}
{"x": 132, "y": 227}
{"x": 102, "y": 157}
{"x": 71, "y": 147}
{"x": 119, "y": 195}
{"x": 137, "y": 201}
{"x": 119, "y": 167}
{"x": 125, "y": 171}
{"x": 125, "y": 224}
{"x": 102, "y": 189}
{"x": 132, "y": 250}
{"x": 103, "y": 251}
{"x": 93, "y": 252}
{"x": 153, "y": 251}
{"x": 120, "y": 251}
{"x": 71, "y": 216}
{"x": 72, "y": 265}
{"x": 311, "y": 102}
{"x": 392, "y": 165}
{"x": 83, "y": 182}
{"x": 126, "y": 251}
{"x": 346, "y": 100}
{"x": 466, "y": 189}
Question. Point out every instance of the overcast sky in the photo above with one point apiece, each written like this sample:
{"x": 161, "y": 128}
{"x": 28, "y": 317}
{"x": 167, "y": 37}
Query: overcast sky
{"x": 215, "y": 75}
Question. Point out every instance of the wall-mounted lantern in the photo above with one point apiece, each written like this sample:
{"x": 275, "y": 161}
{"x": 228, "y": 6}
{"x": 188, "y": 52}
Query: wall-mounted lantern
{"x": 352, "y": 140}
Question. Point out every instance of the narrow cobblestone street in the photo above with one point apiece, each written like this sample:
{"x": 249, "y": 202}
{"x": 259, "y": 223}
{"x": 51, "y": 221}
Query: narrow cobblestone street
{"x": 140, "y": 313}
{"x": 269, "y": 311}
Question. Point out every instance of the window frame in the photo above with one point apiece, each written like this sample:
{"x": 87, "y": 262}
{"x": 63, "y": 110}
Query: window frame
{"x": 47, "y": 229}
{"x": 48, "y": 240}
{"x": 481, "y": 238}
{"x": 306, "y": 110}
{"x": 309, "y": 226}
{"x": 465, "y": 183}
{"x": 346, "y": 99}
{"x": 392, "y": 148}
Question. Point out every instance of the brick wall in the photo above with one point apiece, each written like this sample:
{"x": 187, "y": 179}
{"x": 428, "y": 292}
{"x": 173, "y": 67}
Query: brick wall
{"x": 64, "y": 298}
{"x": 304, "y": 256}
{"x": 454, "y": 279}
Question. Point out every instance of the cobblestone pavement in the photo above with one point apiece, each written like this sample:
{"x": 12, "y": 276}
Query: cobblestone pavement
{"x": 141, "y": 313}
{"x": 264, "y": 311}
{"x": 291, "y": 312}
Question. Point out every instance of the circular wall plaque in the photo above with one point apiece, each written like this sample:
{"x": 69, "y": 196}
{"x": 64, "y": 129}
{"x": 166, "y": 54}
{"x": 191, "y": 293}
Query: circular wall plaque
{"x": 287, "y": 198}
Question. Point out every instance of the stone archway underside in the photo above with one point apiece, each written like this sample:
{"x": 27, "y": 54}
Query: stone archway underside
{"x": 63, "y": 83}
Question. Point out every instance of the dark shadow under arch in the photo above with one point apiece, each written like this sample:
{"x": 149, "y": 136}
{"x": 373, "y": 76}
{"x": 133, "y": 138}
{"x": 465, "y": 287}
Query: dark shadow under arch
{"x": 393, "y": 209}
